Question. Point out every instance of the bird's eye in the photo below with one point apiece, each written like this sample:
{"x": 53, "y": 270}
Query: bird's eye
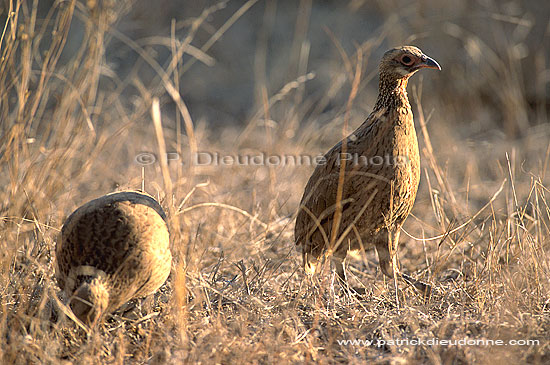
{"x": 406, "y": 60}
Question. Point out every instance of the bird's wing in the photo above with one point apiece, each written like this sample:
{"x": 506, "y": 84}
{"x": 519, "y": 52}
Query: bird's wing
{"x": 320, "y": 194}
{"x": 100, "y": 238}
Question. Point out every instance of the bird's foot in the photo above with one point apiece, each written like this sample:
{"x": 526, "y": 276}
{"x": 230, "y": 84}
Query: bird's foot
{"x": 353, "y": 290}
{"x": 424, "y": 289}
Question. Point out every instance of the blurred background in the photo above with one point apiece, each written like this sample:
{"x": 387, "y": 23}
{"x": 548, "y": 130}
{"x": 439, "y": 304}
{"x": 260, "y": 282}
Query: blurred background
{"x": 495, "y": 54}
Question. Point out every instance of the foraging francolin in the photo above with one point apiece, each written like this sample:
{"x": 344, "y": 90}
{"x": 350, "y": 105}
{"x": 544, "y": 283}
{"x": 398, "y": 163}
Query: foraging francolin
{"x": 111, "y": 250}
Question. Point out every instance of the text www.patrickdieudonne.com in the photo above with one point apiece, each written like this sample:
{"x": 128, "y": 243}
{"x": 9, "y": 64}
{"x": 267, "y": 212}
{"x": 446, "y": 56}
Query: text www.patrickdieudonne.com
{"x": 437, "y": 342}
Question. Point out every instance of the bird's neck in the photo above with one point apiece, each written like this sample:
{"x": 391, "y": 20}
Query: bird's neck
{"x": 392, "y": 94}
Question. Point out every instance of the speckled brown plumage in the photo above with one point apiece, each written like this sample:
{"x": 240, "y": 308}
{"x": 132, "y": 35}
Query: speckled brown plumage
{"x": 112, "y": 249}
{"x": 381, "y": 172}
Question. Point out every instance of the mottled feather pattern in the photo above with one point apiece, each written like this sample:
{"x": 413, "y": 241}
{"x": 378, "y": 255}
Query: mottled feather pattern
{"x": 376, "y": 197}
{"x": 363, "y": 181}
{"x": 122, "y": 238}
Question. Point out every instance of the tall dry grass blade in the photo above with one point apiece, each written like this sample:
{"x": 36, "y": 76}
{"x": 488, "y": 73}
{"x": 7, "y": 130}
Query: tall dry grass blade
{"x": 341, "y": 174}
{"x": 155, "y": 113}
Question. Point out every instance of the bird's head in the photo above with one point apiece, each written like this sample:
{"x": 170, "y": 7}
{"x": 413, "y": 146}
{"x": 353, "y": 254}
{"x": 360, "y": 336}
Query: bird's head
{"x": 90, "y": 301}
{"x": 402, "y": 62}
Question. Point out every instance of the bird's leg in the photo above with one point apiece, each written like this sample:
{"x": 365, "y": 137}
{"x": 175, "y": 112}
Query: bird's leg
{"x": 340, "y": 269}
{"x": 422, "y": 287}
{"x": 393, "y": 240}
{"x": 386, "y": 260}
{"x": 339, "y": 260}
{"x": 387, "y": 263}
{"x": 339, "y": 265}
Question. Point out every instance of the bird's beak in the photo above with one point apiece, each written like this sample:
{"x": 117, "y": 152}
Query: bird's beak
{"x": 428, "y": 62}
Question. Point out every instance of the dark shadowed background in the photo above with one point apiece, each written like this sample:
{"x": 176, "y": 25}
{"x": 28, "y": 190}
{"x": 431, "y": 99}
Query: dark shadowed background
{"x": 494, "y": 54}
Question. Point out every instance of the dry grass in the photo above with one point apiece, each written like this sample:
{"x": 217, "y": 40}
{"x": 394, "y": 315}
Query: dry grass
{"x": 237, "y": 291}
